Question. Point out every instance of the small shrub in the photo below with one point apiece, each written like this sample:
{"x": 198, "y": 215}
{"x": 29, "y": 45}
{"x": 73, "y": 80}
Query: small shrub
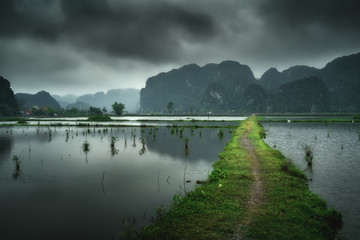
{"x": 97, "y": 118}
{"x": 309, "y": 155}
{"x": 22, "y": 121}
{"x": 220, "y": 133}
{"x": 217, "y": 174}
{"x": 334, "y": 222}
{"x": 289, "y": 168}
{"x": 285, "y": 166}
{"x": 262, "y": 132}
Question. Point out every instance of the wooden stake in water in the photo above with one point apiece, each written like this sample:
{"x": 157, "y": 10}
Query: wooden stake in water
{"x": 158, "y": 181}
{"x": 102, "y": 182}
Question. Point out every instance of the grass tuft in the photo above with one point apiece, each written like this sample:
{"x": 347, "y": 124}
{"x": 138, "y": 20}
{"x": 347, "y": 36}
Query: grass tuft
{"x": 309, "y": 154}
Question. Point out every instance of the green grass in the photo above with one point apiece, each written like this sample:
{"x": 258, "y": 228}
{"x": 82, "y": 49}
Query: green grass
{"x": 212, "y": 211}
{"x": 99, "y": 118}
{"x": 291, "y": 210}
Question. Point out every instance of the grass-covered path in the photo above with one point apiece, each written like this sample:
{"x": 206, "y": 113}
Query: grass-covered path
{"x": 252, "y": 193}
{"x": 257, "y": 186}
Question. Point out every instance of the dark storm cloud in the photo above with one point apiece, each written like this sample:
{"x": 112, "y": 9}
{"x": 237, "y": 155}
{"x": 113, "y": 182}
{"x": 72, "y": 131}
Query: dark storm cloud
{"x": 151, "y": 30}
{"x": 302, "y": 31}
{"x": 126, "y": 41}
{"x": 157, "y": 30}
{"x": 21, "y": 18}
{"x": 334, "y": 15}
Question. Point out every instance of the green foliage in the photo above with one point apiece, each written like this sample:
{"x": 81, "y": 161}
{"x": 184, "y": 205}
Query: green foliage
{"x": 262, "y": 132}
{"x": 309, "y": 155}
{"x": 220, "y": 133}
{"x": 38, "y": 112}
{"x": 118, "y": 108}
{"x": 289, "y": 168}
{"x": 50, "y": 112}
{"x": 217, "y": 174}
{"x": 94, "y": 111}
{"x": 334, "y": 222}
{"x": 72, "y": 112}
{"x": 99, "y": 118}
{"x": 22, "y": 121}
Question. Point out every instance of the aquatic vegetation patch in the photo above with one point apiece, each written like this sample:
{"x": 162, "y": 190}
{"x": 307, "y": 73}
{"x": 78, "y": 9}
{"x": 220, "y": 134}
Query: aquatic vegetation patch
{"x": 309, "y": 153}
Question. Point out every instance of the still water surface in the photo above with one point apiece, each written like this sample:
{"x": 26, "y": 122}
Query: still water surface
{"x": 335, "y": 174}
{"x": 62, "y": 192}
{"x": 136, "y": 121}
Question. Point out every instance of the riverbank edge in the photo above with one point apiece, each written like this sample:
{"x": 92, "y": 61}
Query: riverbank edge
{"x": 213, "y": 210}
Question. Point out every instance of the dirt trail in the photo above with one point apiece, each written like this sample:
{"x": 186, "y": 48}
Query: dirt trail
{"x": 256, "y": 191}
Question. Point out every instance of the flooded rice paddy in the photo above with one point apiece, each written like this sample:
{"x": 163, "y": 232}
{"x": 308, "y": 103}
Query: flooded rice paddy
{"x": 134, "y": 121}
{"x": 67, "y": 189}
{"x": 335, "y": 171}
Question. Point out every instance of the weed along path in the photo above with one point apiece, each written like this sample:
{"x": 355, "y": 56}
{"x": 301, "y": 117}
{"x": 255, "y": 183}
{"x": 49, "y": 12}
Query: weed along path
{"x": 253, "y": 192}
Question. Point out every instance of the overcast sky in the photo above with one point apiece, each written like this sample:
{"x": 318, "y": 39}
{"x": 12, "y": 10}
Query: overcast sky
{"x": 85, "y": 46}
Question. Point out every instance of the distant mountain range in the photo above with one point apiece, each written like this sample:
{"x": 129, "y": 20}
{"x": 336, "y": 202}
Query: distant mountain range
{"x": 227, "y": 87}
{"x": 40, "y": 99}
{"x": 129, "y": 97}
{"x": 231, "y": 87}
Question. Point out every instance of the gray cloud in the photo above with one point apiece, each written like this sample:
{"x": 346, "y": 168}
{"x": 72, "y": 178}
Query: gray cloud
{"x": 75, "y": 40}
{"x": 148, "y": 31}
{"x": 335, "y": 15}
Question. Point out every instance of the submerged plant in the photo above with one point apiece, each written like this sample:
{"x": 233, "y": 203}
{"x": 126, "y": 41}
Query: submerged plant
{"x": 113, "y": 141}
{"x": 186, "y": 144}
{"x": 220, "y": 133}
{"x": 17, "y": 161}
{"x": 112, "y": 145}
{"x": 309, "y": 155}
{"x": 143, "y": 149}
{"x": 181, "y": 132}
{"x": 86, "y": 146}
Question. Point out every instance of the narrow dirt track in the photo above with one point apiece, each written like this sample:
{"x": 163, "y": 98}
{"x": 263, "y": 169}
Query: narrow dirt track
{"x": 256, "y": 191}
